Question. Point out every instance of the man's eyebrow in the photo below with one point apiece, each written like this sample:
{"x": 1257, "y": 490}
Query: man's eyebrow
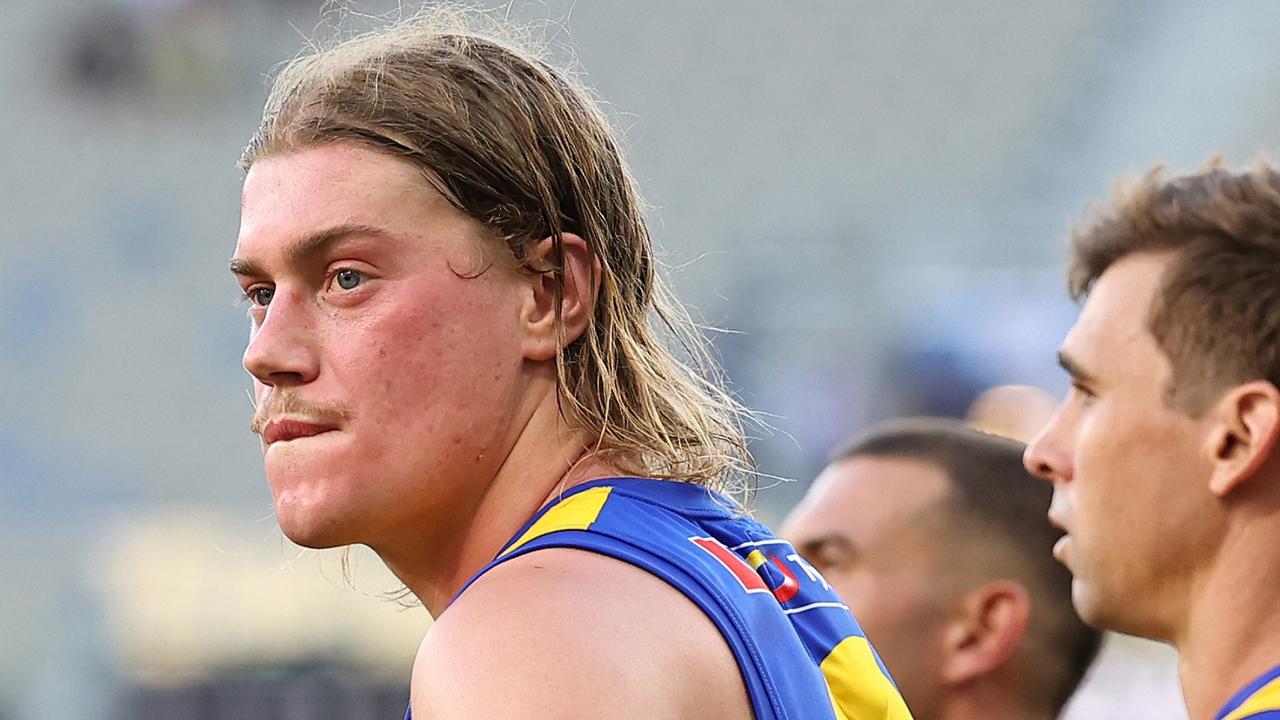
{"x": 308, "y": 247}
{"x": 836, "y": 541}
{"x": 1073, "y": 368}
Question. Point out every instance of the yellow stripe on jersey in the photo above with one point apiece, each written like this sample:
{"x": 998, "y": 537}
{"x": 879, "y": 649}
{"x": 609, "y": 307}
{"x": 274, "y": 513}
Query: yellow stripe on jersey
{"x": 1267, "y": 697}
{"x": 858, "y": 687}
{"x": 576, "y": 512}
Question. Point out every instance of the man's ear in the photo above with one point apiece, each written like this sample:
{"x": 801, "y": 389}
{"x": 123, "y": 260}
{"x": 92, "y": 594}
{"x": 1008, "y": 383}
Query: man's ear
{"x": 580, "y": 288}
{"x": 1244, "y": 425}
{"x": 988, "y": 628}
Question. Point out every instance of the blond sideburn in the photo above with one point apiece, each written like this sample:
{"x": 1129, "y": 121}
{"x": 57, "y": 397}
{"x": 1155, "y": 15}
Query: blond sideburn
{"x": 525, "y": 150}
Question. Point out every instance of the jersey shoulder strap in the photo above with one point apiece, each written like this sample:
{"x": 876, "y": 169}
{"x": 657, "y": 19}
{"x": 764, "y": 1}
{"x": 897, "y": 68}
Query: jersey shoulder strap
{"x": 1258, "y": 700}
{"x": 801, "y": 653}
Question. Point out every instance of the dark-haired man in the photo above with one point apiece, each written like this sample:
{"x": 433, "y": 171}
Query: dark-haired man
{"x": 1163, "y": 454}
{"x": 935, "y": 535}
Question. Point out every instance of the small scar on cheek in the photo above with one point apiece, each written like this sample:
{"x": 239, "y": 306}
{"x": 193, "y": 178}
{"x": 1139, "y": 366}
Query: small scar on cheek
{"x": 382, "y": 353}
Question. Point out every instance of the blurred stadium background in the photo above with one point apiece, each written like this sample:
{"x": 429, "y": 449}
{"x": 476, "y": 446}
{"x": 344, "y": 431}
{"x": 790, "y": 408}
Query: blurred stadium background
{"x": 874, "y": 194}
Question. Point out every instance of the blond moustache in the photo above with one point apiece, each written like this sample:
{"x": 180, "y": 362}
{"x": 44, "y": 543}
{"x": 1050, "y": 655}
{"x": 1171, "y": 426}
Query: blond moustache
{"x": 285, "y": 404}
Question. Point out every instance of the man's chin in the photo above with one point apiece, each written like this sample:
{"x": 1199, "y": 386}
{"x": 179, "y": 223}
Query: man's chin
{"x": 312, "y": 538}
{"x": 312, "y": 541}
{"x": 309, "y": 531}
{"x": 1099, "y": 610}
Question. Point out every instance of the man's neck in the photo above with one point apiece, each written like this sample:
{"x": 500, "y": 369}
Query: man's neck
{"x": 986, "y": 703}
{"x": 1232, "y": 633}
{"x": 546, "y": 459}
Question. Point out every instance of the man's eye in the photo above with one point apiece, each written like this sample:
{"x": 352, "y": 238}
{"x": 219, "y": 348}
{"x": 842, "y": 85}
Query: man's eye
{"x": 830, "y": 561}
{"x": 827, "y": 559}
{"x": 260, "y": 296}
{"x": 348, "y": 279}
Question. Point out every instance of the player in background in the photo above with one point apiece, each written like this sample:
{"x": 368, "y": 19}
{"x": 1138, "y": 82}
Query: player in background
{"x": 1012, "y": 411}
{"x": 935, "y": 535}
{"x": 453, "y": 305}
{"x": 1163, "y": 456}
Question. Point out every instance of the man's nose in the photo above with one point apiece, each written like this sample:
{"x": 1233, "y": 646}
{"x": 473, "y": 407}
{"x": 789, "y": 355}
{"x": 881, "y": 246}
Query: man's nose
{"x": 282, "y": 350}
{"x": 1048, "y": 456}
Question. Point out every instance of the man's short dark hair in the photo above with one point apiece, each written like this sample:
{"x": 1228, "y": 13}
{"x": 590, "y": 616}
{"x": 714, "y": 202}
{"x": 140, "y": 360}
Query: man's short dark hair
{"x": 1216, "y": 313}
{"x": 995, "y": 513}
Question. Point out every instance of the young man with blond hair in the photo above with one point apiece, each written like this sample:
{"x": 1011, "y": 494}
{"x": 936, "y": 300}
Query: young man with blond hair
{"x": 1163, "y": 454}
{"x": 453, "y": 301}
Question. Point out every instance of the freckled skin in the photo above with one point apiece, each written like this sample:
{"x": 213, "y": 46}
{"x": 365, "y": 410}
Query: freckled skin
{"x": 440, "y": 355}
{"x": 428, "y": 362}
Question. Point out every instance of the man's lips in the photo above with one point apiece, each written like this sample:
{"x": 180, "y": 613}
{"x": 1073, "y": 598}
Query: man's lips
{"x": 1058, "y": 521}
{"x": 286, "y": 429}
{"x": 1060, "y": 547}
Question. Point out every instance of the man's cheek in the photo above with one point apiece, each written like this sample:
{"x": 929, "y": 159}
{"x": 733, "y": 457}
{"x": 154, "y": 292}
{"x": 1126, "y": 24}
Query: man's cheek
{"x": 852, "y": 589}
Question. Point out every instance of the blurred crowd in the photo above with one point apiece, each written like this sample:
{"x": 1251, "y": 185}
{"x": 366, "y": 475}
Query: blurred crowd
{"x": 916, "y": 278}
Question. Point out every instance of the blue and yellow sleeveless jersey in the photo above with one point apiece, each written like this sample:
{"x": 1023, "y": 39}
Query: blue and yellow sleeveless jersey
{"x": 1259, "y": 700}
{"x": 801, "y": 653}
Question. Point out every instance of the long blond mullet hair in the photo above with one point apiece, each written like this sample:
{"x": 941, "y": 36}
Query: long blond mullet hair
{"x": 525, "y": 150}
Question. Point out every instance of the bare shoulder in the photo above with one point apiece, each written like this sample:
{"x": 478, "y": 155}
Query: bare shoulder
{"x": 562, "y": 633}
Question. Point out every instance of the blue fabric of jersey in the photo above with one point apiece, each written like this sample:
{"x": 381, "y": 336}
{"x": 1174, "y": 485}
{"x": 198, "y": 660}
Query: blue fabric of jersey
{"x": 779, "y": 631}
